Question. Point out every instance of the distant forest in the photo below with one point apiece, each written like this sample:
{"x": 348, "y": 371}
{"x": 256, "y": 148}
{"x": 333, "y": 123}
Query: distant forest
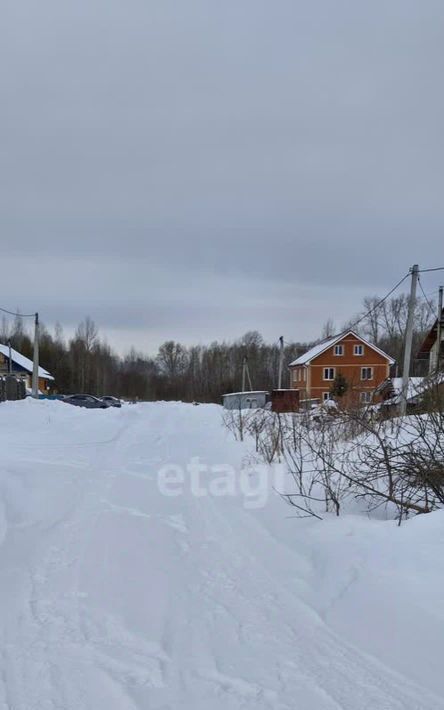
{"x": 86, "y": 363}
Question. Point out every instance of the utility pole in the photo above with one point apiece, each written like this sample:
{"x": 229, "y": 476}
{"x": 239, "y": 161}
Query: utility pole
{"x": 438, "y": 331}
{"x": 408, "y": 339}
{"x": 245, "y": 374}
{"x": 10, "y": 358}
{"x": 281, "y": 361}
{"x": 248, "y": 374}
{"x": 35, "y": 369}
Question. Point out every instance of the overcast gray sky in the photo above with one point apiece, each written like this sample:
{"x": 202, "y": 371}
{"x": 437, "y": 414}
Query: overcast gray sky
{"x": 195, "y": 169}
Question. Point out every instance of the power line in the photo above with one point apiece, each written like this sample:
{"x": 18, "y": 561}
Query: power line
{"x": 371, "y": 310}
{"x": 20, "y": 315}
{"x": 377, "y": 305}
{"x": 431, "y": 308}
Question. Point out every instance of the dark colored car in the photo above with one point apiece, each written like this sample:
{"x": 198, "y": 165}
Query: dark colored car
{"x": 112, "y": 401}
{"x": 86, "y": 400}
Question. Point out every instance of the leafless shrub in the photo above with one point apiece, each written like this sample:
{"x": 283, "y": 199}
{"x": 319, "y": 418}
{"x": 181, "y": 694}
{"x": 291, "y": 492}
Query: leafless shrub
{"x": 235, "y": 420}
{"x": 383, "y": 462}
{"x": 310, "y": 485}
{"x": 269, "y": 442}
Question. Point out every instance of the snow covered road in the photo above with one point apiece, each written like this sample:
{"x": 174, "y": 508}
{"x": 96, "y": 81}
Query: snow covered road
{"x": 116, "y": 597}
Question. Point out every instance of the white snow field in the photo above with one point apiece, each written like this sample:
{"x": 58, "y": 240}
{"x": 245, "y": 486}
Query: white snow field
{"x": 114, "y": 596}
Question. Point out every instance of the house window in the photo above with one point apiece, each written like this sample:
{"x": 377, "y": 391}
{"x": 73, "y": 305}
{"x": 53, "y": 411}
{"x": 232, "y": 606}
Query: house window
{"x": 326, "y": 396}
{"x": 329, "y": 373}
{"x": 366, "y": 373}
{"x": 358, "y": 350}
{"x": 304, "y": 374}
{"x": 366, "y": 397}
{"x": 339, "y": 350}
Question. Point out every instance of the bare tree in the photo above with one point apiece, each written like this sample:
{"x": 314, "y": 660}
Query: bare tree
{"x": 172, "y": 359}
{"x": 328, "y": 329}
{"x": 87, "y": 333}
{"x": 82, "y": 351}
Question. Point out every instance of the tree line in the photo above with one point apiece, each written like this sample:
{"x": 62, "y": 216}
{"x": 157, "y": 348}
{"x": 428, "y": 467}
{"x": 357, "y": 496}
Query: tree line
{"x": 86, "y": 362}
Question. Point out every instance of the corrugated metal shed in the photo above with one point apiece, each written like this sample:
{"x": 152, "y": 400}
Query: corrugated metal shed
{"x": 245, "y": 400}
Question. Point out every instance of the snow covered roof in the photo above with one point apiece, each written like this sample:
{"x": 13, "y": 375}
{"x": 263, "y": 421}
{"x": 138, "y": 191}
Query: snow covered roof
{"x": 413, "y": 386}
{"x": 318, "y": 349}
{"x": 247, "y": 392}
{"x": 24, "y": 362}
{"x": 314, "y": 351}
{"x": 416, "y": 387}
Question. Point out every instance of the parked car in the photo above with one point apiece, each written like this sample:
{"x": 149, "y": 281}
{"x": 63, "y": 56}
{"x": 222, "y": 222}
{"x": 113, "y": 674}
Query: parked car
{"x": 112, "y": 401}
{"x": 86, "y": 400}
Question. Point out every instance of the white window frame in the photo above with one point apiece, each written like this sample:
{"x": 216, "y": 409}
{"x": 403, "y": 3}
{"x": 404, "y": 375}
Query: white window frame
{"x": 365, "y": 397}
{"x": 337, "y": 348}
{"x": 326, "y": 396}
{"x": 358, "y": 346}
{"x": 364, "y": 369}
{"x": 332, "y": 370}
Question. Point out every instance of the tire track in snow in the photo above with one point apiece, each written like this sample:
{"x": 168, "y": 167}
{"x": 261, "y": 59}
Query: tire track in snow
{"x": 58, "y": 656}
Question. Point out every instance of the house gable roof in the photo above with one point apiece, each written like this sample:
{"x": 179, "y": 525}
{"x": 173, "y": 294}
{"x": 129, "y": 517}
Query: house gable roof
{"x": 24, "y": 362}
{"x": 321, "y": 347}
{"x": 430, "y": 338}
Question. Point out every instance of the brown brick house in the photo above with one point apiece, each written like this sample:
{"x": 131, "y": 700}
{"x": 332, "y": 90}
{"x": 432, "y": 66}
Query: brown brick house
{"x": 363, "y": 365}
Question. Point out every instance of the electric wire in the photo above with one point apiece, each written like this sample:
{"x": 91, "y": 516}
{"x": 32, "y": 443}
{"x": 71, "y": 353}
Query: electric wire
{"x": 377, "y": 305}
{"x": 435, "y": 268}
{"x": 371, "y": 310}
{"x": 429, "y": 304}
{"x": 19, "y": 315}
